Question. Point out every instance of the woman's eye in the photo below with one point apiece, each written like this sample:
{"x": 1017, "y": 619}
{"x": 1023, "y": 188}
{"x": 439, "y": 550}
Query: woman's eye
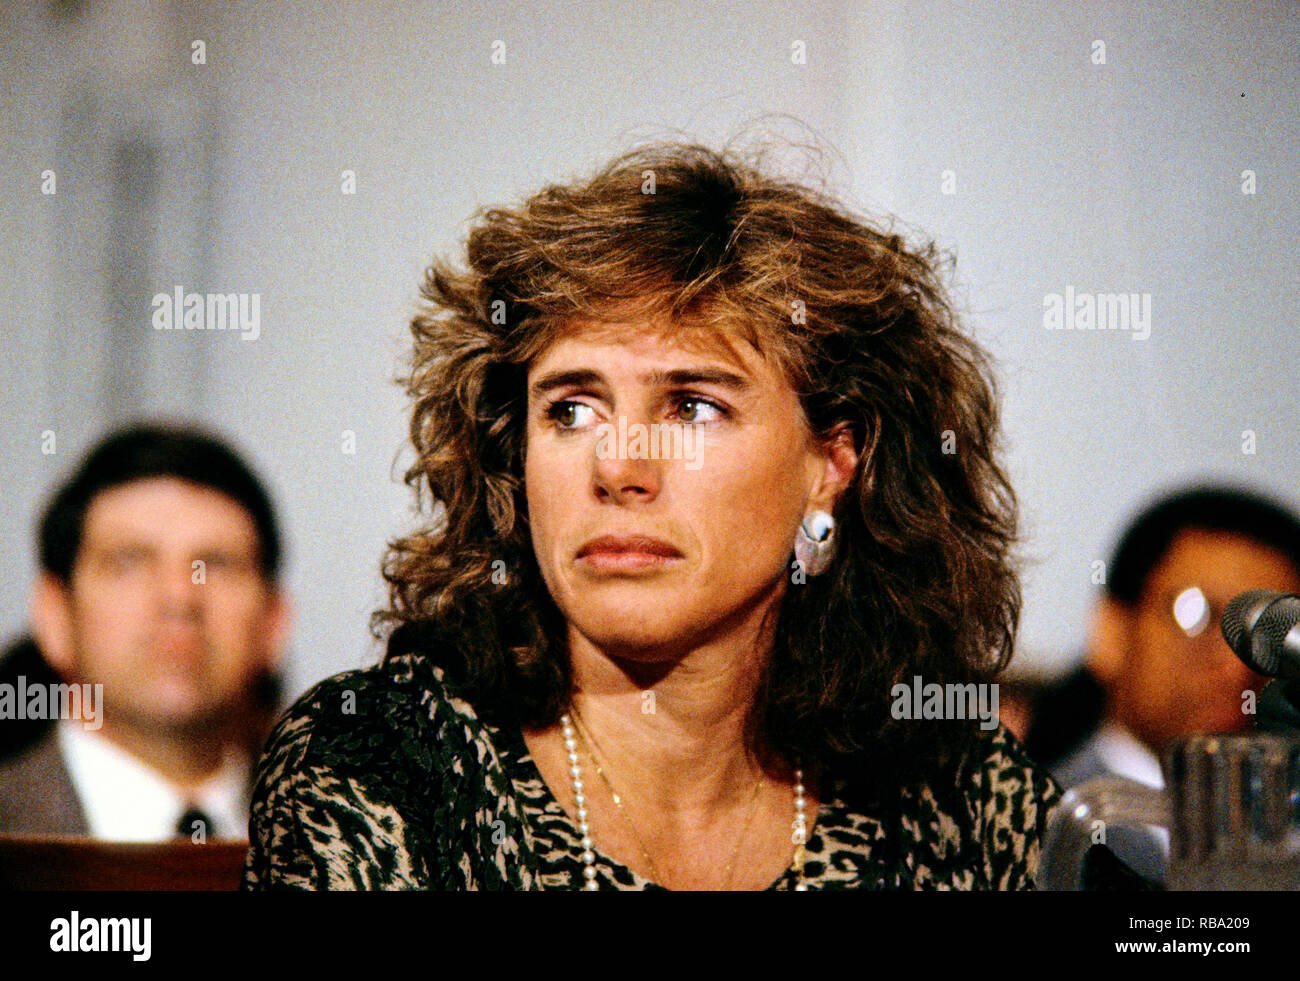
{"x": 689, "y": 410}
{"x": 570, "y": 415}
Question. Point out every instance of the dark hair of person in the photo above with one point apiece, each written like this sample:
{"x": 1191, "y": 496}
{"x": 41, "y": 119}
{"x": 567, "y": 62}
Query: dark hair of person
{"x": 21, "y": 659}
{"x": 1149, "y": 536}
{"x": 922, "y": 582}
{"x": 154, "y": 450}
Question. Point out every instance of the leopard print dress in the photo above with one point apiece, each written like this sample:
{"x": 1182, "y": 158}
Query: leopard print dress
{"x": 385, "y": 779}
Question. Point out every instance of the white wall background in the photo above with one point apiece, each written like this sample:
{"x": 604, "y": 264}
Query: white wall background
{"x": 1115, "y": 177}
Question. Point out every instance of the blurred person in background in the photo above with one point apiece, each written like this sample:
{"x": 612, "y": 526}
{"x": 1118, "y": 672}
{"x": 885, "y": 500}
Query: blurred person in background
{"x": 1155, "y": 648}
{"x": 159, "y": 565}
{"x": 1157, "y": 667}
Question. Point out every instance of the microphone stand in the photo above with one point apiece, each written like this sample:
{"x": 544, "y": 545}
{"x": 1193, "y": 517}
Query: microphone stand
{"x": 1278, "y": 709}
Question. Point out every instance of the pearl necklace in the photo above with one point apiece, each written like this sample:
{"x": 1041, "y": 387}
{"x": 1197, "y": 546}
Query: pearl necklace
{"x": 798, "y": 834}
{"x": 595, "y": 754}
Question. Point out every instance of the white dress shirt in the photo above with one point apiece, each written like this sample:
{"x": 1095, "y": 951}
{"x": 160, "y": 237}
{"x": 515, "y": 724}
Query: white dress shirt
{"x": 124, "y": 799}
{"x": 1126, "y": 755}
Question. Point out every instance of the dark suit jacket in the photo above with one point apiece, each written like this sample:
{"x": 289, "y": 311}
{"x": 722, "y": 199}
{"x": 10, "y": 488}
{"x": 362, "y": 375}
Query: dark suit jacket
{"x": 36, "y": 793}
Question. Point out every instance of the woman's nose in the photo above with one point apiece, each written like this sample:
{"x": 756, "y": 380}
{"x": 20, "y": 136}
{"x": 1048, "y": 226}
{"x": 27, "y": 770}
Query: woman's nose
{"x": 625, "y": 464}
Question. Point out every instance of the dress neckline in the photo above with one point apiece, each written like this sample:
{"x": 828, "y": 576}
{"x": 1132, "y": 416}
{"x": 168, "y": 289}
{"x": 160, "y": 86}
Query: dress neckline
{"x": 519, "y": 763}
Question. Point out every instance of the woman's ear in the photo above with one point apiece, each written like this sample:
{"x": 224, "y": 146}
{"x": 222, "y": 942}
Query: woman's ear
{"x": 838, "y": 462}
{"x": 1108, "y": 640}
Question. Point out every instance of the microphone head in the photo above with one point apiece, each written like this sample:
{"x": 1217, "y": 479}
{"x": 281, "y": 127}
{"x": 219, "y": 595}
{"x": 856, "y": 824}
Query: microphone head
{"x": 1240, "y": 617}
{"x": 1255, "y": 625}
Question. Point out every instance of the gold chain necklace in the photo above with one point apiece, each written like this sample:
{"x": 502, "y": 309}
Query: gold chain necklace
{"x": 593, "y": 749}
{"x": 618, "y": 800}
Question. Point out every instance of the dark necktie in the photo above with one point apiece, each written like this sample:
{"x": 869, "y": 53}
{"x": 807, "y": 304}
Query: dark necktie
{"x": 195, "y": 820}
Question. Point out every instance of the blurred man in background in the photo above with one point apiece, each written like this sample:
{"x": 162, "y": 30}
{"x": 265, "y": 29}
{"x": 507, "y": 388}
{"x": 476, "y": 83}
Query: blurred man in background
{"x": 157, "y": 595}
{"x": 1155, "y": 648}
{"x": 1157, "y": 666}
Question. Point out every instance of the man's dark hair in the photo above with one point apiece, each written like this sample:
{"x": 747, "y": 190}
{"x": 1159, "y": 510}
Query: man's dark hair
{"x": 154, "y": 450}
{"x": 1239, "y": 512}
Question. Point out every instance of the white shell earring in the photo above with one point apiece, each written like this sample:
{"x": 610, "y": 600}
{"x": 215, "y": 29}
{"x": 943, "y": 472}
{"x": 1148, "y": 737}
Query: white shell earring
{"x": 814, "y": 542}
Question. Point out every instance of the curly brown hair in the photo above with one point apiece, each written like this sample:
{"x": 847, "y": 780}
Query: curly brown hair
{"x": 922, "y": 582}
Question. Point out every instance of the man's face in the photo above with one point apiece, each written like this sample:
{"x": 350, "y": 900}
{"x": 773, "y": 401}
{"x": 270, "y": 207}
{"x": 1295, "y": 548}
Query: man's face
{"x": 167, "y": 606}
{"x": 728, "y": 517}
{"x": 1178, "y": 675}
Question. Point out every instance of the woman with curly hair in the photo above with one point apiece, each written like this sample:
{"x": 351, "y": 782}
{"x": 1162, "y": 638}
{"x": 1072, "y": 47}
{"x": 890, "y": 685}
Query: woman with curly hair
{"x": 711, "y": 472}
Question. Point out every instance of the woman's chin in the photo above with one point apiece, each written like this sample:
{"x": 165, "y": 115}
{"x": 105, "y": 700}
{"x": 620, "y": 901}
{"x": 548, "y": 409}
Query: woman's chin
{"x": 627, "y": 635}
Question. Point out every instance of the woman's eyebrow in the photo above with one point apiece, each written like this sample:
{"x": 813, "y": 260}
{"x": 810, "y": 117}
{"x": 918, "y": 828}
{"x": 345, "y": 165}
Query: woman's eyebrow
{"x": 562, "y": 379}
{"x": 659, "y": 378}
{"x": 698, "y": 376}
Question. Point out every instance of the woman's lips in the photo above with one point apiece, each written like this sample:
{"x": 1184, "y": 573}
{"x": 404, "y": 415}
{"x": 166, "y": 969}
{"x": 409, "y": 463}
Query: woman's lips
{"x": 626, "y": 553}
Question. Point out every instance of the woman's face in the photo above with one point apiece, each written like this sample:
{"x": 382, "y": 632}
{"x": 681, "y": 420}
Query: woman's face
{"x": 649, "y": 557}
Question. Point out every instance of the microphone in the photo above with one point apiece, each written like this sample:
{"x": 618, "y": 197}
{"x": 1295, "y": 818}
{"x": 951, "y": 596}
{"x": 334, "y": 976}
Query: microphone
{"x": 1262, "y": 626}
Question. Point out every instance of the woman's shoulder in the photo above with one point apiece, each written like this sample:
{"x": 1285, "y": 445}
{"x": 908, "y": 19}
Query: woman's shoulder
{"x": 984, "y": 827}
{"x": 1005, "y": 776}
{"x": 362, "y": 720}
{"x": 364, "y": 782}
